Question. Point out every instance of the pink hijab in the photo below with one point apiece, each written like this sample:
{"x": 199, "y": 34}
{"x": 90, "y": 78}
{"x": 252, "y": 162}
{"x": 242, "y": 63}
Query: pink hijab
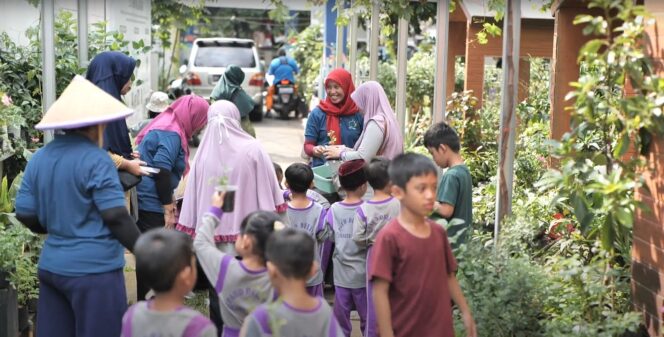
{"x": 185, "y": 116}
{"x": 226, "y": 147}
{"x": 372, "y": 101}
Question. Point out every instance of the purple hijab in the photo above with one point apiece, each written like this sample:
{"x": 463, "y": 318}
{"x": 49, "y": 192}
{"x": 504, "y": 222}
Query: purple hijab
{"x": 372, "y": 101}
{"x": 226, "y": 147}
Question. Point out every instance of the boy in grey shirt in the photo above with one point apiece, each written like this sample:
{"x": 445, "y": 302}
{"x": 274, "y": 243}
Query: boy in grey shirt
{"x": 370, "y": 218}
{"x": 165, "y": 260}
{"x": 241, "y": 285}
{"x": 349, "y": 259}
{"x": 307, "y": 215}
{"x": 296, "y": 313}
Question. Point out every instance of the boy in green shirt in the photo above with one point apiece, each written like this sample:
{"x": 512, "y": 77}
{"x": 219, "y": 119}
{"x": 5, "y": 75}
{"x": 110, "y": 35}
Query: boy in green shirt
{"x": 455, "y": 192}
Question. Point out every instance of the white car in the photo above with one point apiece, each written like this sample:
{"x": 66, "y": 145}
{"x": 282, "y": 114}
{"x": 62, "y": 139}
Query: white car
{"x": 208, "y": 60}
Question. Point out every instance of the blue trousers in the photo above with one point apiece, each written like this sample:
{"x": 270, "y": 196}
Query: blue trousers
{"x": 85, "y": 306}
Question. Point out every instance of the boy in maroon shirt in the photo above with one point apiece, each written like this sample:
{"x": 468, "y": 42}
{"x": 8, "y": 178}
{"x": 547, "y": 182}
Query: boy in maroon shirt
{"x": 412, "y": 267}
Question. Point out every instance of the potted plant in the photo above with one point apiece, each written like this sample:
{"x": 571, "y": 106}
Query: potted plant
{"x": 19, "y": 253}
{"x": 223, "y": 186}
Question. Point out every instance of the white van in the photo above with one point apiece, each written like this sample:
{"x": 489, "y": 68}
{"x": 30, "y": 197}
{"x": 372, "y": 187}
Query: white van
{"x": 208, "y": 60}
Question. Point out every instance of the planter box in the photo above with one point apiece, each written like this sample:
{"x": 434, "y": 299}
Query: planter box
{"x": 8, "y": 313}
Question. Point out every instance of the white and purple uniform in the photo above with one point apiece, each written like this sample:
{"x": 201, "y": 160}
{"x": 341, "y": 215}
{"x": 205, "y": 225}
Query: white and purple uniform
{"x": 311, "y": 220}
{"x": 281, "y": 319}
{"x": 370, "y": 218}
{"x": 141, "y": 321}
{"x": 349, "y": 262}
{"x": 240, "y": 289}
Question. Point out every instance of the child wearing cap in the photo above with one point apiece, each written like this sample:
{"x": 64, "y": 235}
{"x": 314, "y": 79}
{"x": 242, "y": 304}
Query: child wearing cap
{"x": 157, "y": 104}
{"x": 165, "y": 260}
{"x": 349, "y": 259}
{"x": 290, "y": 264}
{"x": 370, "y": 218}
{"x": 306, "y": 214}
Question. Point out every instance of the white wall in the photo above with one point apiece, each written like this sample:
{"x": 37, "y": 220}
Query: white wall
{"x": 131, "y": 17}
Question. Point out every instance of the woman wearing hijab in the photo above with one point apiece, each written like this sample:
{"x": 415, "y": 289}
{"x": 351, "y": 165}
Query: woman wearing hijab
{"x": 70, "y": 191}
{"x": 335, "y": 121}
{"x": 163, "y": 144}
{"x": 228, "y": 151}
{"x": 381, "y": 135}
{"x": 229, "y": 88}
{"x": 111, "y": 71}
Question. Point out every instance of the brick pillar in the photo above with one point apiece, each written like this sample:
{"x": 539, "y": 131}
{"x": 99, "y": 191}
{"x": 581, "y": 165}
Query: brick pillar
{"x": 567, "y": 40}
{"x": 474, "y": 72}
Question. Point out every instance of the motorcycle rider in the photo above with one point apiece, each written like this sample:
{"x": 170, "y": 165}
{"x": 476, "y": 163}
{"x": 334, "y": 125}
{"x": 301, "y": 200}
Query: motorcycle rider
{"x": 282, "y": 68}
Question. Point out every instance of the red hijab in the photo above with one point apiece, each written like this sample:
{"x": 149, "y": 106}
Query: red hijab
{"x": 344, "y": 108}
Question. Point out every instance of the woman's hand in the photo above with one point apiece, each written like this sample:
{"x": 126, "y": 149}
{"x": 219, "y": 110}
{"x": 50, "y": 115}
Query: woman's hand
{"x": 333, "y": 152}
{"x": 133, "y": 167}
{"x": 319, "y": 151}
{"x": 169, "y": 216}
{"x": 218, "y": 199}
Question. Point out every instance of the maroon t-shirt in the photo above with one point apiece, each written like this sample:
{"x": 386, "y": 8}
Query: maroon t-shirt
{"x": 418, "y": 270}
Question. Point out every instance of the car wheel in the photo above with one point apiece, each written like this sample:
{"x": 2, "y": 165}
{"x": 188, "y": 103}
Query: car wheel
{"x": 256, "y": 115}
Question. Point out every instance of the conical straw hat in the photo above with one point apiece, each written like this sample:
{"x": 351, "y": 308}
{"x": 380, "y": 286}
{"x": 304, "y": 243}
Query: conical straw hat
{"x": 82, "y": 104}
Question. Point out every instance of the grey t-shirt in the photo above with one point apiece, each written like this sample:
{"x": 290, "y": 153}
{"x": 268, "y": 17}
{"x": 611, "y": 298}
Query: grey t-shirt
{"x": 141, "y": 321}
{"x": 349, "y": 260}
{"x": 240, "y": 290}
{"x": 371, "y": 217}
{"x": 281, "y": 319}
{"x": 310, "y": 220}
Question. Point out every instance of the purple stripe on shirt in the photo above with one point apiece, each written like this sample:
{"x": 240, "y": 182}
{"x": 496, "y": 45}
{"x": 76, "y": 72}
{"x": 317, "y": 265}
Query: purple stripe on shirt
{"x": 196, "y": 326}
{"x": 360, "y": 213}
{"x": 230, "y": 332}
{"x": 262, "y": 317}
{"x": 380, "y": 202}
{"x": 350, "y": 205}
{"x": 305, "y": 311}
{"x": 126, "y": 324}
{"x": 330, "y": 218}
{"x": 321, "y": 220}
{"x": 333, "y": 326}
{"x": 311, "y": 204}
{"x": 216, "y": 211}
{"x": 253, "y": 272}
{"x": 225, "y": 262}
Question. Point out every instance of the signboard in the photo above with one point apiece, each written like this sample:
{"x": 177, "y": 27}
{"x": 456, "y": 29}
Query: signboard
{"x": 133, "y": 19}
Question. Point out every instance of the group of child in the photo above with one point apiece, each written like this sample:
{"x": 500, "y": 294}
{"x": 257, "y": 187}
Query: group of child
{"x": 391, "y": 264}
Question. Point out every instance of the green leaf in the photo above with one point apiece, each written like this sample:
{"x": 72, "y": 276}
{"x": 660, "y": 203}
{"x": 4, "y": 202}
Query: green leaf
{"x": 622, "y": 146}
{"x": 625, "y": 216}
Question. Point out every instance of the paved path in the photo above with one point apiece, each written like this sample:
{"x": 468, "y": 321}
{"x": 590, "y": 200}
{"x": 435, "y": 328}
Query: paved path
{"x": 282, "y": 139}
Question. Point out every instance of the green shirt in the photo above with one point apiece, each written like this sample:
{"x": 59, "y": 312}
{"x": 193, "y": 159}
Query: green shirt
{"x": 456, "y": 189}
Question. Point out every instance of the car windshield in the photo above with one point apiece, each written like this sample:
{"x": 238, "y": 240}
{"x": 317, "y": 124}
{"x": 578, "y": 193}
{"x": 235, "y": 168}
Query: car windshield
{"x": 223, "y": 56}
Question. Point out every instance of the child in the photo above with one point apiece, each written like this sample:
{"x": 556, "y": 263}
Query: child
{"x": 349, "y": 259}
{"x": 311, "y": 193}
{"x": 369, "y": 220}
{"x": 290, "y": 264}
{"x": 241, "y": 285}
{"x": 412, "y": 266}
{"x": 455, "y": 192}
{"x": 165, "y": 260}
{"x": 306, "y": 214}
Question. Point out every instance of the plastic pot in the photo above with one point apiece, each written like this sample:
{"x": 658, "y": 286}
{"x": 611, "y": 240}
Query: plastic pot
{"x": 229, "y": 197}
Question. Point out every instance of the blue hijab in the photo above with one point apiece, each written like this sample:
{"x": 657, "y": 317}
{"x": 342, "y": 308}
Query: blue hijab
{"x": 110, "y": 71}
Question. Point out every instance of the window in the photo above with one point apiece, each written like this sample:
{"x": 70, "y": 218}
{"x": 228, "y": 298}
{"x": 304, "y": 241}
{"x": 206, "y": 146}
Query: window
{"x": 213, "y": 55}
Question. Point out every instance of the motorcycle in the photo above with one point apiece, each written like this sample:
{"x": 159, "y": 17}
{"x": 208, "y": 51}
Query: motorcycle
{"x": 286, "y": 99}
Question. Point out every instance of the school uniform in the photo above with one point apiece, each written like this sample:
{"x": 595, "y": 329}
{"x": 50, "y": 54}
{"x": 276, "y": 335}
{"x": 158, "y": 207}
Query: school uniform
{"x": 349, "y": 263}
{"x": 67, "y": 184}
{"x": 141, "y": 320}
{"x": 240, "y": 290}
{"x": 281, "y": 319}
{"x": 310, "y": 219}
{"x": 370, "y": 218}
